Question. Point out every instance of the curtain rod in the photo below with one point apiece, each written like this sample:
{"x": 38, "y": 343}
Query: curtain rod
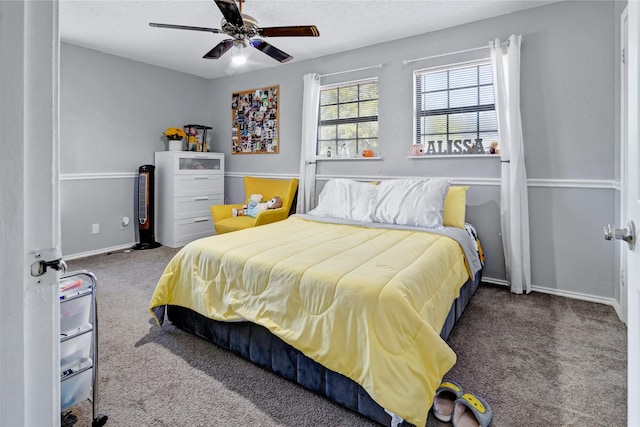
{"x": 350, "y": 71}
{"x": 408, "y": 61}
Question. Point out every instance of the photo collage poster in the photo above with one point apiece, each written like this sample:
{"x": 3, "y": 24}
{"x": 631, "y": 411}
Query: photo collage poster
{"x": 254, "y": 115}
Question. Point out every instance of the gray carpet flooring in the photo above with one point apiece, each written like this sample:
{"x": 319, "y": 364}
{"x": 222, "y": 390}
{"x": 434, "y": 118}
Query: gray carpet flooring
{"x": 538, "y": 360}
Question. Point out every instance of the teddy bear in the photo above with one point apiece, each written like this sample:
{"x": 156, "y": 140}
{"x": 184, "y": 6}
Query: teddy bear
{"x": 493, "y": 148}
{"x": 253, "y": 208}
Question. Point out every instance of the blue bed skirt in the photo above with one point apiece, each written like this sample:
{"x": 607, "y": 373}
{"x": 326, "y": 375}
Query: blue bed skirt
{"x": 257, "y": 344}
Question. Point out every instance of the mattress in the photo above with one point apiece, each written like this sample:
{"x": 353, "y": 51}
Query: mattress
{"x": 364, "y": 301}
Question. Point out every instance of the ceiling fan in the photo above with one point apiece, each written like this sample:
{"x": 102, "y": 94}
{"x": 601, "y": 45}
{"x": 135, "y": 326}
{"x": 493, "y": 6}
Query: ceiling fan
{"x": 244, "y": 28}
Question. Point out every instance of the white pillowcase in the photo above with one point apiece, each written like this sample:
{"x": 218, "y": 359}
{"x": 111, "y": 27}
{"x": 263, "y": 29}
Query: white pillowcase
{"x": 346, "y": 199}
{"x": 416, "y": 201}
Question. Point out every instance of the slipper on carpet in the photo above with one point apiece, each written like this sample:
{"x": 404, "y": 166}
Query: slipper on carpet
{"x": 443, "y": 402}
{"x": 471, "y": 411}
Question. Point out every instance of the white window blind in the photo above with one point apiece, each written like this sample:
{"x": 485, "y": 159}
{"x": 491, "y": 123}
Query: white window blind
{"x": 348, "y": 119}
{"x": 455, "y": 109}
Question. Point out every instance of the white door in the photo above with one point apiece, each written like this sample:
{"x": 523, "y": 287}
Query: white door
{"x": 633, "y": 212}
{"x": 29, "y": 213}
{"x": 624, "y": 157}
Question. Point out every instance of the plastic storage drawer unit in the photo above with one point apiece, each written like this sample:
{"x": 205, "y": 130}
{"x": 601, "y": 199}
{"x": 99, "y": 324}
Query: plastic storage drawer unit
{"x": 77, "y": 386}
{"x": 74, "y": 313}
{"x": 74, "y": 349}
{"x": 79, "y": 343}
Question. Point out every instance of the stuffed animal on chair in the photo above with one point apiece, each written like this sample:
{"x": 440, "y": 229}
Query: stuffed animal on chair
{"x": 254, "y": 199}
{"x": 254, "y": 209}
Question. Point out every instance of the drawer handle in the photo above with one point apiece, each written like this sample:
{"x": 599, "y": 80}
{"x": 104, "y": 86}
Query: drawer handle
{"x": 198, "y": 199}
{"x": 201, "y": 219}
{"x": 201, "y": 177}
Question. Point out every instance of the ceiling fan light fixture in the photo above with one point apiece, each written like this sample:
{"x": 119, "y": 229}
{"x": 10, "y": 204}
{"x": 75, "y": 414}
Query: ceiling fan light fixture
{"x": 239, "y": 55}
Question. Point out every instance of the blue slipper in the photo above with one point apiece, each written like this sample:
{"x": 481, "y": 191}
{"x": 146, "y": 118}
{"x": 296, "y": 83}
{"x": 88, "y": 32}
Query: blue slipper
{"x": 443, "y": 402}
{"x": 471, "y": 411}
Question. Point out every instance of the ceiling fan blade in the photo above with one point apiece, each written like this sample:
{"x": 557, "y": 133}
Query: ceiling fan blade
{"x": 220, "y": 49}
{"x": 185, "y": 27}
{"x": 230, "y": 12}
{"x": 270, "y": 50}
{"x": 291, "y": 31}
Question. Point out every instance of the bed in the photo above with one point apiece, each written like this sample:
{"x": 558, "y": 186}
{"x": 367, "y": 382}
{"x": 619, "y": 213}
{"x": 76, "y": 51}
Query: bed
{"x": 353, "y": 300}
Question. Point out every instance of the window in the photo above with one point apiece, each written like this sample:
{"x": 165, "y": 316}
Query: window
{"x": 455, "y": 110}
{"x": 348, "y": 119}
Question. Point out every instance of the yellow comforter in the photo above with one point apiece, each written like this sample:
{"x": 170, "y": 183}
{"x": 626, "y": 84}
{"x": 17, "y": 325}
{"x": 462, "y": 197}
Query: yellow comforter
{"x": 365, "y": 302}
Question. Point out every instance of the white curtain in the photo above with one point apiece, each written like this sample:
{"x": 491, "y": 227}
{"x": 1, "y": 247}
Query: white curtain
{"x": 310, "y": 102}
{"x": 514, "y": 204}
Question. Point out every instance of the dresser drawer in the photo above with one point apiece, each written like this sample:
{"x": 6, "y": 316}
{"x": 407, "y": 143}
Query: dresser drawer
{"x": 190, "y": 163}
{"x": 190, "y": 229}
{"x": 195, "y": 163}
{"x": 197, "y": 185}
{"x": 196, "y": 206}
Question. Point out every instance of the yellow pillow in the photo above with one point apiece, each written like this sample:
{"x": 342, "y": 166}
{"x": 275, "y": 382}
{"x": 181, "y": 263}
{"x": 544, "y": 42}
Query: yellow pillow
{"x": 455, "y": 205}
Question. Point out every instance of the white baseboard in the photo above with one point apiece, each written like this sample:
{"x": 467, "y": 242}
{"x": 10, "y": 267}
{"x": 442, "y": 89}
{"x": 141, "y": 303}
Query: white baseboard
{"x": 618, "y": 309}
{"x": 98, "y": 252}
{"x": 567, "y": 294}
{"x": 495, "y": 281}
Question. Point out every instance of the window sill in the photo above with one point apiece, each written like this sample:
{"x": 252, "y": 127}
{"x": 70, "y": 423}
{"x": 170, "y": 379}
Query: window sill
{"x": 330, "y": 159}
{"x": 456, "y": 156}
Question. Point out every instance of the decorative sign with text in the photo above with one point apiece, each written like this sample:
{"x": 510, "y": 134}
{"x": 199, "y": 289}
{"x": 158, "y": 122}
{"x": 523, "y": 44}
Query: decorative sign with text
{"x": 454, "y": 146}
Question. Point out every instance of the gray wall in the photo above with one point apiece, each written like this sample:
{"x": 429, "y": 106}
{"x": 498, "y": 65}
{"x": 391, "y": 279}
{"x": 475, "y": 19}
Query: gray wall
{"x": 112, "y": 115}
{"x": 570, "y": 113}
{"x": 570, "y": 110}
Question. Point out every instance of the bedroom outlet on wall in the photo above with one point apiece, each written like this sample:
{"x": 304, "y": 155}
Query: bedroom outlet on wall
{"x": 124, "y": 223}
{"x": 95, "y": 228}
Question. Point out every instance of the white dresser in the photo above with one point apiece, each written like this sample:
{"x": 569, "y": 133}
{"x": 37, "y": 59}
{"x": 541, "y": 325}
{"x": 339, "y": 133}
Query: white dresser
{"x": 187, "y": 184}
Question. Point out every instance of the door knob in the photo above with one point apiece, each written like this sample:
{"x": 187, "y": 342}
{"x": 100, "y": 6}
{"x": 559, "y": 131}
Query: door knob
{"x": 627, "y": 234}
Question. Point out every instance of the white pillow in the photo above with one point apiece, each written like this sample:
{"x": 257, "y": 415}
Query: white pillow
{"x": 416, "y": 201}
{"x": 346, "y": 199}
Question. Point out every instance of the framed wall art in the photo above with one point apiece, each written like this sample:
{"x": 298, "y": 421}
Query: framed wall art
{"x": 254, "y": 118}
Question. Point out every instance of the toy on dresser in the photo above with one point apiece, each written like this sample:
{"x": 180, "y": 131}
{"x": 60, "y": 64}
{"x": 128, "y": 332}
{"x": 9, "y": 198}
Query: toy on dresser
{"x": 196, "y": 139}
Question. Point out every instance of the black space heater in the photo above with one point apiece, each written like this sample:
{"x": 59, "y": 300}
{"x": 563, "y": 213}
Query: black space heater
{"x": 145, "y": 201}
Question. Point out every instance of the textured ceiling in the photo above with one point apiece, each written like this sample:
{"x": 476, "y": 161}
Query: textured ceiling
{"x": 121, "y": 27}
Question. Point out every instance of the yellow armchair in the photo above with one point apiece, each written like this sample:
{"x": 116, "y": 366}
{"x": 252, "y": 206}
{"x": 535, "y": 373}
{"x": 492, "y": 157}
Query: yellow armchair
{"x": 224, "y": 221}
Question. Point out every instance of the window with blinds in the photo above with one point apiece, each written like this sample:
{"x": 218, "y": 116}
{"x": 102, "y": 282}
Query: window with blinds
{"x": 348, "y": 119}
{"x": 455, "y": 110}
